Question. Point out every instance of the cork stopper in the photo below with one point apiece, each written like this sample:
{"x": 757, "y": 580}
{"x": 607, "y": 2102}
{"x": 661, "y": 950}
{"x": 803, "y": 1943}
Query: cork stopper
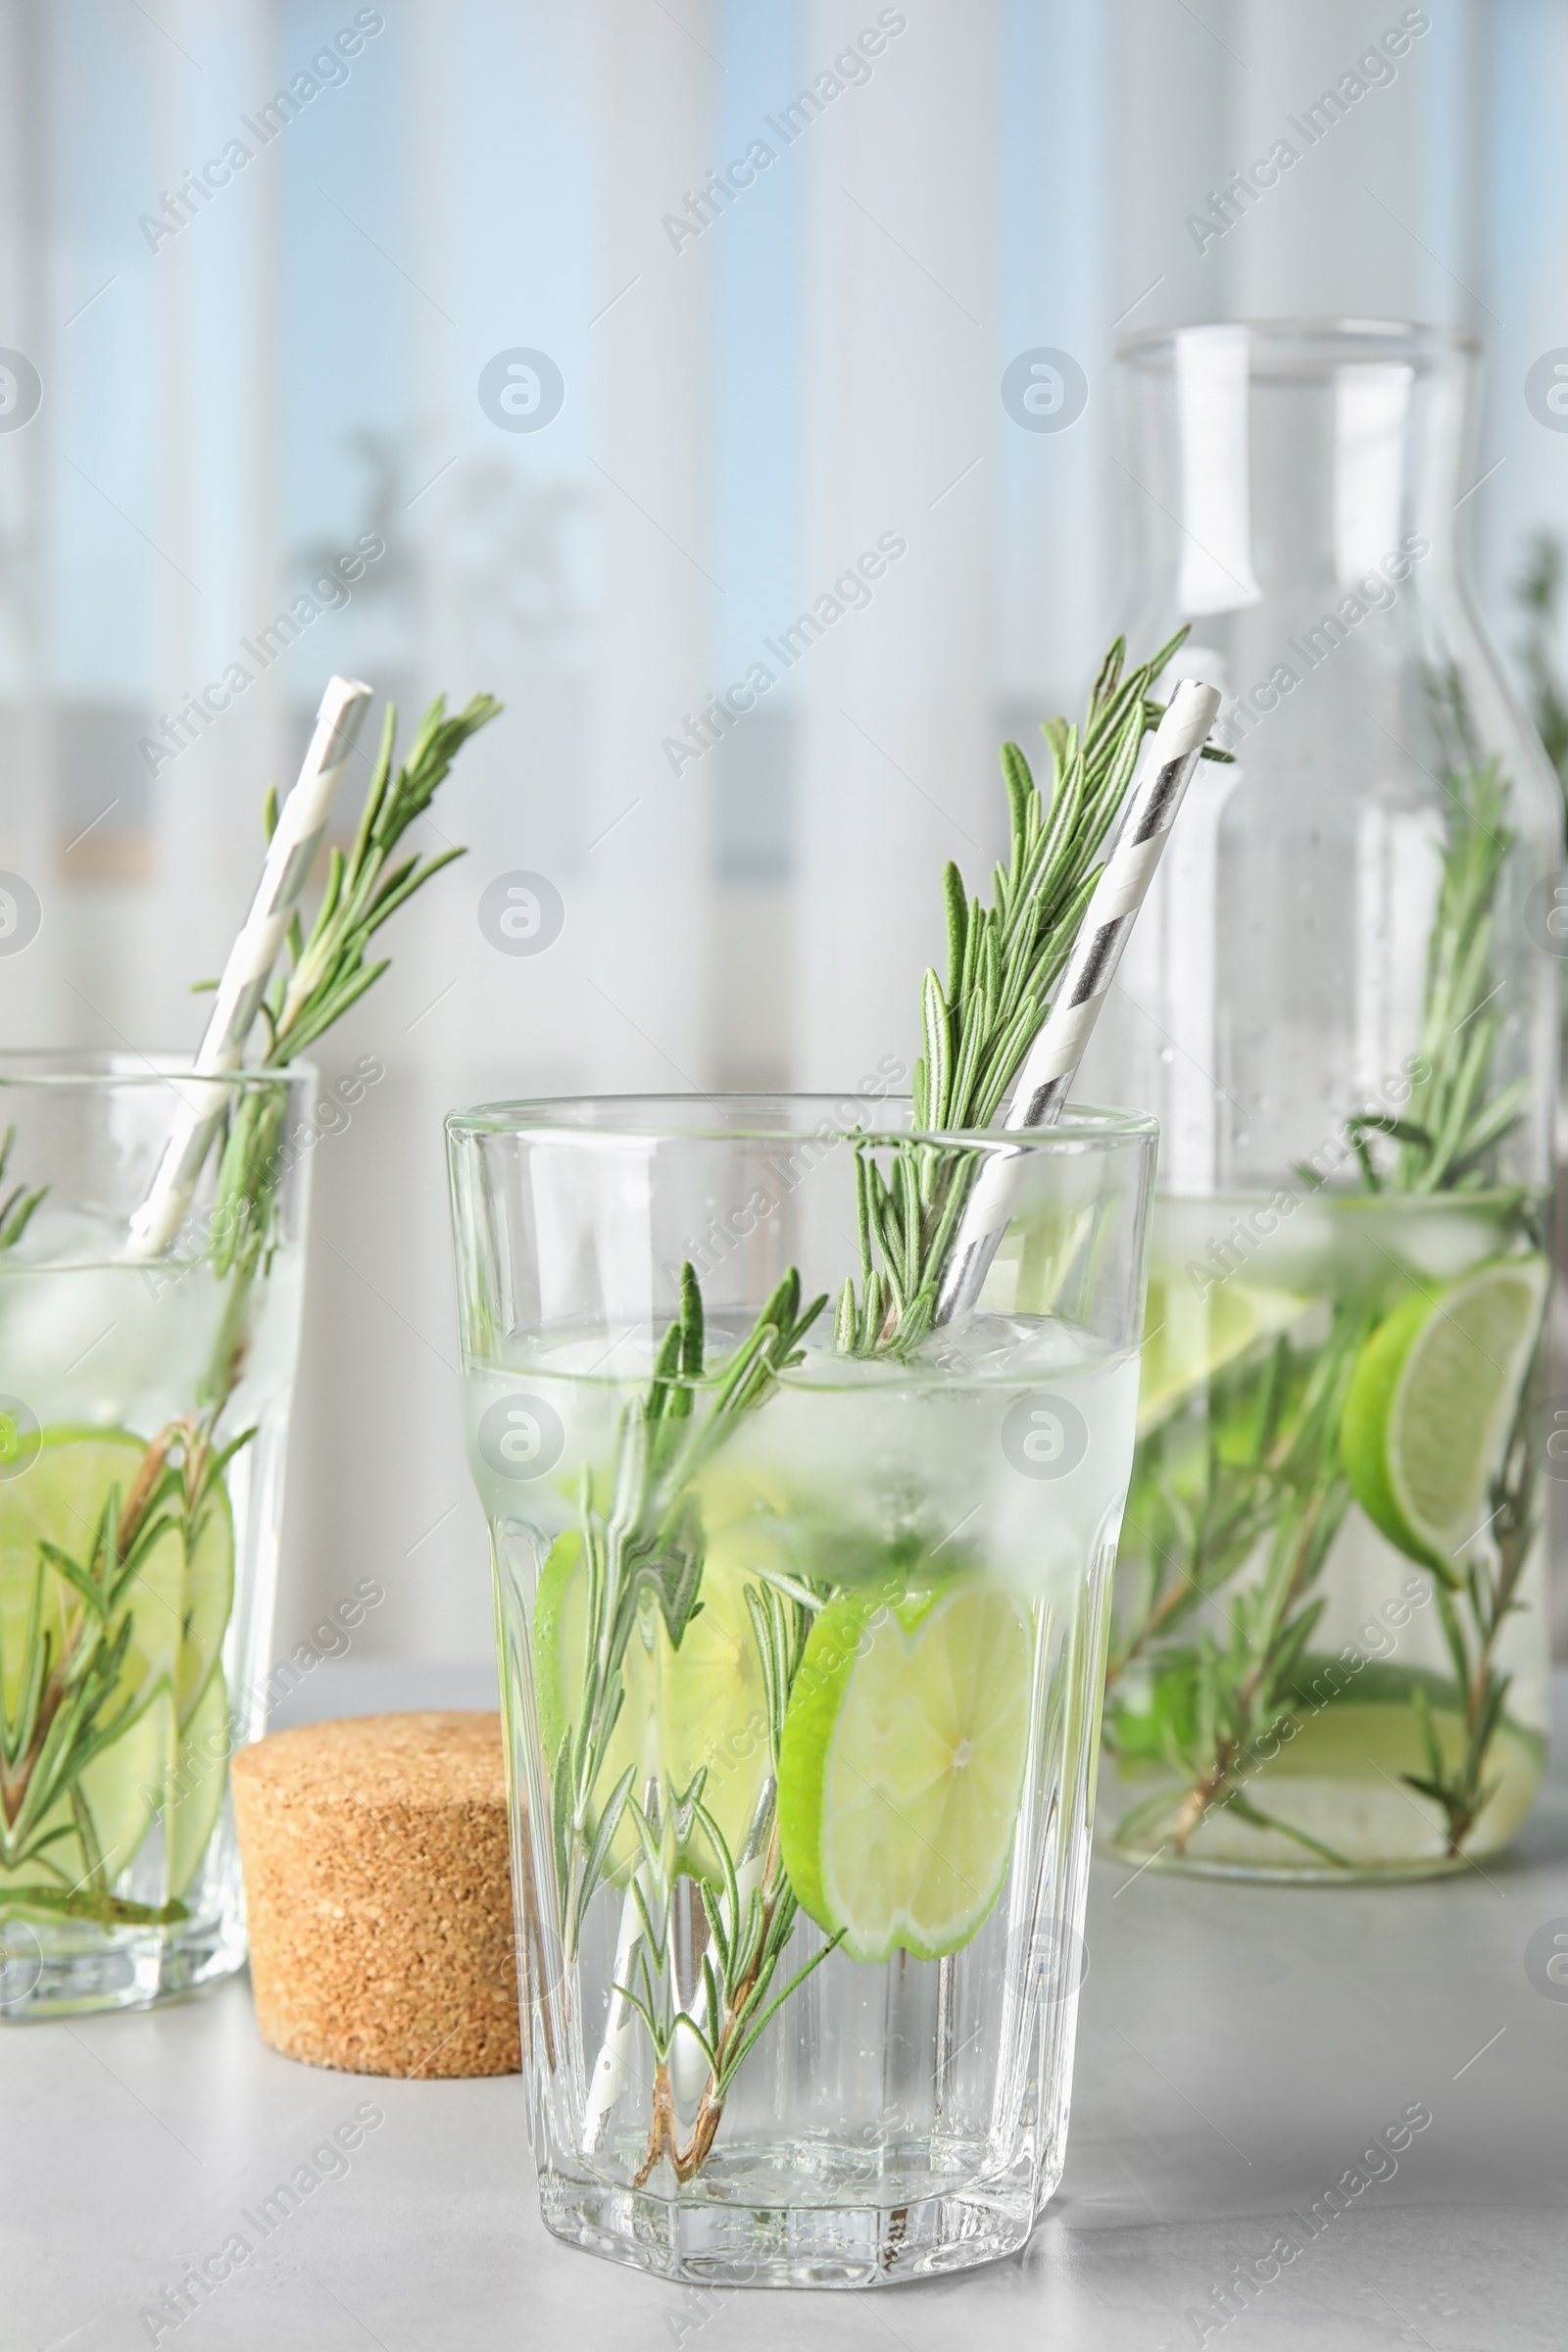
{"x": 378, "y": 1892}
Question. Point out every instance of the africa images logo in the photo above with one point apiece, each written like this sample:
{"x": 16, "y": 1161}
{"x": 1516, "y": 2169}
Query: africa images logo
{"x": 520, "y": 1436}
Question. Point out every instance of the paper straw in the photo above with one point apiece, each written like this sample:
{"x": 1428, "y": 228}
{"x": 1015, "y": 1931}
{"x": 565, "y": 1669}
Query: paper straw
{"x": 1045, "y": 1079}
{"x": 609, "y": 2077}
{"x": 290, "y": 853}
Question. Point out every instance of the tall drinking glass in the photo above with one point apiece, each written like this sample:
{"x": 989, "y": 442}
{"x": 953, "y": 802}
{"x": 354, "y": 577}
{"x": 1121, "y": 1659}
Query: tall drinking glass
{"x": 801, "y": 1665}
{"x": 142, "y": 1429}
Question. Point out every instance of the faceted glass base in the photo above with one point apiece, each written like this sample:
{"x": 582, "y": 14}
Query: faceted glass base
{"x": 1275, "y": 1873}
{"x": 815, "y": 2246}
{"x": 44, "y": 1973}
{"x": 1366, "y": 1822}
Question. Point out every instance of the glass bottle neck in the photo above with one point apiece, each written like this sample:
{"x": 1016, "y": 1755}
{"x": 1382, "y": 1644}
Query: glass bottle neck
{"x": 1291, "y": 465}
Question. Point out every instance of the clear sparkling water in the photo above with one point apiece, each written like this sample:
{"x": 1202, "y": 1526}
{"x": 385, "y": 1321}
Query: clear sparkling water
{"x": 94, "y": 1344}
{"x": 1232, "y": 1281}
{"x": 897, "y": 2113}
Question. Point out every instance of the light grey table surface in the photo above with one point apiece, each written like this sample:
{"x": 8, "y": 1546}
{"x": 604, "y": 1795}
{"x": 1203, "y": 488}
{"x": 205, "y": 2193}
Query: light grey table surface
{"x": 1238, "y": 2048}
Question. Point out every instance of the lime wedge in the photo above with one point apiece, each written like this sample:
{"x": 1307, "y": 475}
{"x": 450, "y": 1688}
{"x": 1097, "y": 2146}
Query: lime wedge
{"x": 123, "y": 1788}
{"x": 201, "y": 1776}
{"x": 205, "y": 1602}
{"x": 700, "y": 1707}
{"x": 1430, "y": 1401}
{"x": 558, "y": 1641}
{"x": 900, "y": 1768}
{"x": 1189, "y": 1339}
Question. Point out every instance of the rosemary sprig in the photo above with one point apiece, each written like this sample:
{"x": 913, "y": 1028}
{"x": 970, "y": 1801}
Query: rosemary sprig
{"x": 651, "y": 1542}
{"x": 70, "y": 1704}
{"x": 1474, "y": 1600}
{"x": 1003, "y": 962}
{"x": 1538, "y": 592}
{"x": 650, "y": 1547}
{"x": 1231, "y": 1695}
{"x": 1197, "y": 1511}
{"x": 18, "y": 1204}
{"x": 1451, "y": 1124}
{"x": 1447, "y": 1142}
{"x": 747, "y": 1923}
{"x": 1246, "y": 1684}
{"x": 326, "y": 969}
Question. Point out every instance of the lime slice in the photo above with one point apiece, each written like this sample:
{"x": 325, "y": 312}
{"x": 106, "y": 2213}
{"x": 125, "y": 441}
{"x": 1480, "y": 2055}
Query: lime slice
{"x": 900, "y": 1768}
{"x": 205, "y": 1603}
{"x": 123, "y": 1788}
{"x": 1430, "y": 1401}
{"x": 700, "y": 1707}
{"x": 62, "y": 1494}
{"x": 1190, "y": 1339}
{"x": 1034, "y": 1261}
{"x": 201, "y": 1776}
{"x": 558, "y": 1640}
{"x": 60, "y": 1499}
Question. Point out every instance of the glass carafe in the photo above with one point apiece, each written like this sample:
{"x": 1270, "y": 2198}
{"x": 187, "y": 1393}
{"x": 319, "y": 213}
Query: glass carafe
{"x": 1330, "y": 1650}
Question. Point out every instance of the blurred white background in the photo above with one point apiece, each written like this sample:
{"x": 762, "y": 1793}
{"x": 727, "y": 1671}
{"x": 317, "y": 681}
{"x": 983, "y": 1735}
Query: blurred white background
{"x": 750, "y": 400}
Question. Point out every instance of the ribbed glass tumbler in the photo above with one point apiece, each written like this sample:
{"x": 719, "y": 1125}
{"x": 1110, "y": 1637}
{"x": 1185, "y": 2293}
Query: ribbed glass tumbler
{"x": 801, "y": 1638}
{"x": 142, "y": 1435}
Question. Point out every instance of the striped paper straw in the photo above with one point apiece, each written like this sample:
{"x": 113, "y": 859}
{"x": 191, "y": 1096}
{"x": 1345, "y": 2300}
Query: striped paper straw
{"x": 1047, "y": 1076}
{"x": 296, "y": 838}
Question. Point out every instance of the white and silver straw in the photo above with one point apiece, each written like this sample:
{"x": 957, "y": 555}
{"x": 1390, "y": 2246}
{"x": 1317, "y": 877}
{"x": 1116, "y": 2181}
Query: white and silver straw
{"x": 296, "y": 838}
{"x": 1047, "y": 1076}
